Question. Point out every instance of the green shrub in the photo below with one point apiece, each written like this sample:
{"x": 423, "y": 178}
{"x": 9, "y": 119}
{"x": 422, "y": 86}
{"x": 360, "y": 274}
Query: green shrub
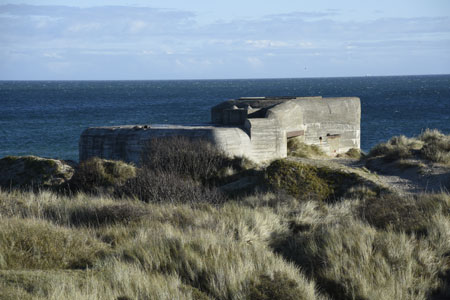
{"x": 97, "y": 175}
{"x": 298, "y": 180}
{"x": 309, "y": 182}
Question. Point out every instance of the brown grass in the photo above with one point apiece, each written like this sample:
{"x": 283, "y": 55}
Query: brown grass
{"x": 181, "y": 242}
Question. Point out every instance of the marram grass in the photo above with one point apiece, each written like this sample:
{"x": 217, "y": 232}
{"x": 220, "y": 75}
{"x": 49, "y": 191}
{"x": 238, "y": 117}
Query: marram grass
{"x": 56, "y": 247}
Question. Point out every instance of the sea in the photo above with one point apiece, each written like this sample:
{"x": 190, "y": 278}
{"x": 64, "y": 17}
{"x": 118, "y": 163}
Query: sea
{"x": 46, "y": 118}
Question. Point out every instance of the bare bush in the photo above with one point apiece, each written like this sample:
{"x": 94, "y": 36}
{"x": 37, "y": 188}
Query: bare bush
{"x": 180, "y": 155}
{"x": 196, "y": 159}
{"x": 163, "y": 186}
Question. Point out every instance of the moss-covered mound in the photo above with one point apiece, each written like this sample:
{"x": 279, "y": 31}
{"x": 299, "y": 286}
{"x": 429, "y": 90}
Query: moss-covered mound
{"x": 33, "y": 172}
{"x": 309, "y": 182}
{"x": 100, "y": 175}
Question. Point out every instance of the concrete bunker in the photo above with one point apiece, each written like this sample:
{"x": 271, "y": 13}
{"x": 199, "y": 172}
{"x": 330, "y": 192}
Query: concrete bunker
{"x": 255, "y": 127}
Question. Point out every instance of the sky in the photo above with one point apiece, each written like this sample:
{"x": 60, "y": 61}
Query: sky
{"x": 200, "y": 39}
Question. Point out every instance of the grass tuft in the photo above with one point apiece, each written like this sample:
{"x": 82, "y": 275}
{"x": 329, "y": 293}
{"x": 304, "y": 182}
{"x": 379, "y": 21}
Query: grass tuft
{"x": 299, "y": 149}
{"x": 431, "y": 145}
{"x": 36, "y": 244}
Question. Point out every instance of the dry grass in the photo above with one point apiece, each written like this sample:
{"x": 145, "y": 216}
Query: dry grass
{"x": 350, "y": 259}
{"x": 436, "y": 147}
{"x": 431, "y": 145}
{"x": 170, "y": 252}
{"x": 398, "y": 147}
{"x": 266, "y": 246}
{"x": 38, "y": 244}
{"x": 299, "y": 149}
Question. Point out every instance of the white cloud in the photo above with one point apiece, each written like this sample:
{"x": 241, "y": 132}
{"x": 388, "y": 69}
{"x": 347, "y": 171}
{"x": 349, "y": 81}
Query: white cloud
{"x": 137, "y": 26}
{"x": 254, "y": 62}
{"x": 172, "y": 42}
{"x": 266, "y": 44}
{"x": 53, "y": 55}
{"x": 86, "y": 28}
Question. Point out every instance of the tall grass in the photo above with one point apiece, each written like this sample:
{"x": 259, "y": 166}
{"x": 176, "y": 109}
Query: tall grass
{"x": 158, "y": 233}
{"x": 431, "y": 145}
{"x": 168, "y": 252}
{"x": 267, "y": 246}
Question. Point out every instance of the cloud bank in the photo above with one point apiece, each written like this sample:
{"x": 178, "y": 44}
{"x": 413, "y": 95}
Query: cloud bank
{"x": 113, "y": 42}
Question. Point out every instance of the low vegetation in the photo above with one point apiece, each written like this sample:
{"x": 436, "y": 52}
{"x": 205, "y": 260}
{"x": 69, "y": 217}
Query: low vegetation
{"x": 299, "y": 149}
{"x": 33, "y": 172}
{"x": 307, "y": 182}
{"x": 100, "y": 176}
{"x": 431, "y": 145}
{"x": 158, "y": 233}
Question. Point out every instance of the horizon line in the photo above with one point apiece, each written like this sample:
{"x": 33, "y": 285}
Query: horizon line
{"x": 217, "y": 79}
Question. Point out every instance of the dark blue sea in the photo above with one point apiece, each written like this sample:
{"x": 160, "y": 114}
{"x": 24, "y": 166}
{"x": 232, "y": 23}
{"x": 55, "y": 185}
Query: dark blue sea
{"x": 45, "y": 118}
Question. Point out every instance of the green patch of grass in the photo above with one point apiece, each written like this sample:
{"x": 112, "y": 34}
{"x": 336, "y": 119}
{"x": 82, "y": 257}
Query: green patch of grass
{"x": 297, "y": 179}
{"x": 309, "y": 182}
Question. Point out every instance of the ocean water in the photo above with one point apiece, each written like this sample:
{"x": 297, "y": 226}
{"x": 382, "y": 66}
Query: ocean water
{"x": 46, "y": 118}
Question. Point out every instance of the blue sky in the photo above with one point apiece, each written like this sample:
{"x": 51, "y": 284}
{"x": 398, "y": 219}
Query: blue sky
{"x": 174, "y": 39}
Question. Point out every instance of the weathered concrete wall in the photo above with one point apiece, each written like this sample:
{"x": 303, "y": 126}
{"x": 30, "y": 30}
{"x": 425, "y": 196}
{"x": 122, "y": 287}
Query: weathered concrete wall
{"x": 267, "y": 140}
{"x": 326, "y": 118}
{"x": 127, "y": 142}
{"x": 257, "y": 128}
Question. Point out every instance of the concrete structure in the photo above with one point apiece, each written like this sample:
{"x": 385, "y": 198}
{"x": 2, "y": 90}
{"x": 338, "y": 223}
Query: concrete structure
{"x": 256, "y": 127}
